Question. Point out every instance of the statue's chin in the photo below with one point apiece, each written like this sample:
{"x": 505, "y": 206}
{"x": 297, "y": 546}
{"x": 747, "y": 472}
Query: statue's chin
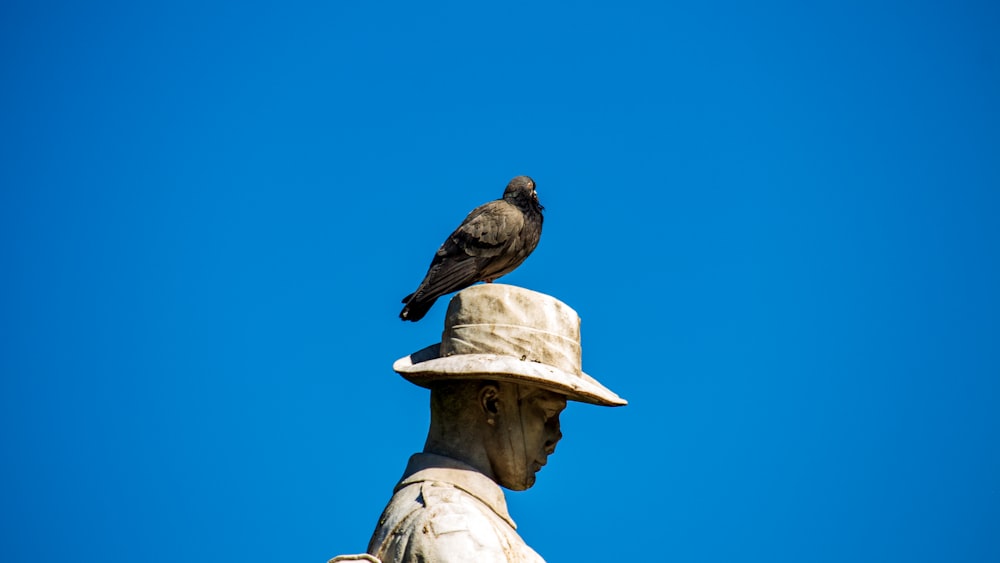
{"x": 522, "y": 484}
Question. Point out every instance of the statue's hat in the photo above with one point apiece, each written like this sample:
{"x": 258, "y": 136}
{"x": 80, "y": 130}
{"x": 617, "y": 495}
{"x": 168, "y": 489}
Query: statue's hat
{"x": 507, "y": 333}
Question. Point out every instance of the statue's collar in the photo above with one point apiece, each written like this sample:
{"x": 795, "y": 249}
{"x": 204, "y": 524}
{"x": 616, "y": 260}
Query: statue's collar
{"x": 433, "y": 467}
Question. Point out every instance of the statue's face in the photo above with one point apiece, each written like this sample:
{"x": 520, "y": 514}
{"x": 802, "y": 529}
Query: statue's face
{"x": 523, "y": 443}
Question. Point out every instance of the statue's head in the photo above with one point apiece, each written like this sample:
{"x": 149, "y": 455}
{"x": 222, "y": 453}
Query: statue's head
{"x": 508, "y": 360}
{"x": 514, "y": 427}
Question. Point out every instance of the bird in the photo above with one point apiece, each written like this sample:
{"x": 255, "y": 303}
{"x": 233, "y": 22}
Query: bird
{"x": 493, "y": 240}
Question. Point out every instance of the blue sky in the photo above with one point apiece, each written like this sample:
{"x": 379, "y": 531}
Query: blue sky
{"x": 778, "y": 221}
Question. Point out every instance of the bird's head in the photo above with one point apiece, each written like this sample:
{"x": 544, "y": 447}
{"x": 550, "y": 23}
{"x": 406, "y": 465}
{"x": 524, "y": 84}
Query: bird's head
{"x": 522, "y": 188}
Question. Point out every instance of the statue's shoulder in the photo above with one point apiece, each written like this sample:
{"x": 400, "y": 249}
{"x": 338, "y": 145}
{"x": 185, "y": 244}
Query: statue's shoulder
{"x": 439, "y": 506}
{"x": 439, "y": 522}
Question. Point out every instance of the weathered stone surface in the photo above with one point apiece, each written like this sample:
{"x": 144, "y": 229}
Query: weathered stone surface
{"x": 445, "y": 510}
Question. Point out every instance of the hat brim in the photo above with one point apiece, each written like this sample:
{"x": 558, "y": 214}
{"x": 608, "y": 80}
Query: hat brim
{"x": 426, "y": 367}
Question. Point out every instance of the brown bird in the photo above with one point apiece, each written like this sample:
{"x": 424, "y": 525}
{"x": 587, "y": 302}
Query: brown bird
{"x": 493, "y": 240}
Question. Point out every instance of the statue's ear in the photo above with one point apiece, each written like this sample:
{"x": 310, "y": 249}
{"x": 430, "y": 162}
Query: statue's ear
{"x": 489, "y": 399}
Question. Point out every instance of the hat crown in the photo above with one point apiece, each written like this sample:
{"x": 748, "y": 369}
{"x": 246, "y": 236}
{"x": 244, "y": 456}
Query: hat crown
{"x": 498, "y": 332}
{"x": 512, "y": 321}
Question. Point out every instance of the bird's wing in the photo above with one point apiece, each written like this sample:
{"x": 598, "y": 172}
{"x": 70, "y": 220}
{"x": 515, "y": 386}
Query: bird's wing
{"x": 487, "y": 230}
{"x": 447, "y": 276}
{"x": 482, "y": 236}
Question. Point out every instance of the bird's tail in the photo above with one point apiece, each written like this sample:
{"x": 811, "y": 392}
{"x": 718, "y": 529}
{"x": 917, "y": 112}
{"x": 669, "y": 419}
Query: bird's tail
{"x": 415, "y": 309}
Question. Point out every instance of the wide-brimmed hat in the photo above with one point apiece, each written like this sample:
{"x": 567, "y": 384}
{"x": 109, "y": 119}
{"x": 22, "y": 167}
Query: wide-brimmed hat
{"x": 507, "y": 333}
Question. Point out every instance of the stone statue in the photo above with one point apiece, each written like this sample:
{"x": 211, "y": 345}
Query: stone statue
{"x": 508, "y": 361}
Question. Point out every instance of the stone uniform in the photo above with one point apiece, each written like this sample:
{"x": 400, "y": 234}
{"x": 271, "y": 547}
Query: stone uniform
{"x": 445, "y": 511}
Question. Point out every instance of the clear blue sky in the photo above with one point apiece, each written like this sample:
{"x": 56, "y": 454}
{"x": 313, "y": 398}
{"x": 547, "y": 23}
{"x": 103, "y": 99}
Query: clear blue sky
{"x": 778, "y": 221}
